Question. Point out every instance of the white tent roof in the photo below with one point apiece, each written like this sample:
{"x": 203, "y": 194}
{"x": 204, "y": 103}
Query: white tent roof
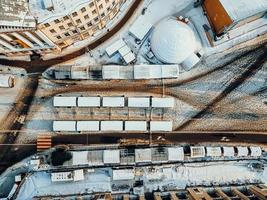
{"x": 64, "y": 101}
{"x": 172, "y": 41}
{"x": 139, "y": 102}
{"x": 113, "y": 101}
{"x": 89, "y": 101}
{"x": 111, "y": 156}
{"x": 78, "y": 175}
{"x": 175, "y": 153}
{"x": 242, "y": 151}
{"x": 214, "y": 151}
{"x": 228, "y": 151}
{"x": 79, "y": 157}
{"x": 135, "y": 126}
{"x": 123, "y": 174}
{"x": 242, "y": 9}
{"x": 64, "y": 125}
{"x": 87, "y": 125}
{"x": 255, "y": 151}
{"x": 142, "y": 155}
{"x": 111, "y": 125}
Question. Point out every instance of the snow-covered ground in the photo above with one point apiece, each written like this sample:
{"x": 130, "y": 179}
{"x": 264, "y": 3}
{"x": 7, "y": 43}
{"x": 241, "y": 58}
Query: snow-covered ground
{"x": 164, "y": 178}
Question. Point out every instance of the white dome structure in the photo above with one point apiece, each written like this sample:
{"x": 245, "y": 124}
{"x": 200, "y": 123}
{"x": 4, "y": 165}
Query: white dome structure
{"x": 172, "y": 41}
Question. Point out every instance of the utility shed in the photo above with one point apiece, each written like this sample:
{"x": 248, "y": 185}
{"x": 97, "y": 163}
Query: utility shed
{"x": 111, "y": 126}
{"x": 228, "y": 151}
{"x": 113, "y": 48}
{"x": 88, "y": 125}
{"x": 140, "y": 27}
{"x": 214, "y": 151}
{"x": 111, "y": 156}
{"x": 61, "y": 176}
{"x": 162, "y": 102}
{"x": 160, "y": 126}
{"x": 124, "y": 50}
{"x": 242, "y": 151}
{"x": 135, "y": 126}
{"x": 60, "y": 101}
{"x": 255, "y": 151}
{"x": 79, "y": 157}
{"x": 141, "y": 102}
{"x": 113, "y": 101}
{"x": 197, "y": 151}
{"x": 64, "y": 125}
{"x": 143, "y": 155}
{"x": 122, "y": 174}
{"x": 175, "y": 154}
{"x": 89, "y": 101}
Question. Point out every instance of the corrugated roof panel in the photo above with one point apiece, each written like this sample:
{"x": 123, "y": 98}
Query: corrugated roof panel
{"x": 242, "y": 151}
{"x": 255, "y": 151}
{"x": 123, "y": 174}
{"x": 79, "y": 158}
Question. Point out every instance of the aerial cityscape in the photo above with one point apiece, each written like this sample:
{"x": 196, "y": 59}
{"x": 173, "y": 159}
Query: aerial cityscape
{"x": 133, "y": 99}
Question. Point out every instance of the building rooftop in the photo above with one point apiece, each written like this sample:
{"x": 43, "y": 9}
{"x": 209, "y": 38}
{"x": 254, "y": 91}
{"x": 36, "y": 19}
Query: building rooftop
{"x": 58, "y": 9}
{"x": 15, "y": 14}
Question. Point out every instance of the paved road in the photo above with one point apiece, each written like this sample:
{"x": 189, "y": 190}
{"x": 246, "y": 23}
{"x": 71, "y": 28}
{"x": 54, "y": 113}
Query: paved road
{"x": 41, "y": 66}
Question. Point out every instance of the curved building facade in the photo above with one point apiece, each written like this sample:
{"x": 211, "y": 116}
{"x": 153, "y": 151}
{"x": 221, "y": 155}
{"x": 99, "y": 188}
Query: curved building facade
{"x": 69, "y": 21}
{"x": 48, "y": 26}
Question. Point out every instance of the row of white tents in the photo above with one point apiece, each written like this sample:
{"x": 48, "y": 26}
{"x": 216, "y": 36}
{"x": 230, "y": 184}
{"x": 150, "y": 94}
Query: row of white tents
{"x": 111, "y": 126}
{"x": 113, "y": 101}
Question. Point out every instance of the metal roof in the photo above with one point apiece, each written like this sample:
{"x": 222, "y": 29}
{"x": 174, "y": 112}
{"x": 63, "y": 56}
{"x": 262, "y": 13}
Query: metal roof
{"x": 114, "y": 47}
{"x": 140, "y": 27}
{"x": 255, "y": 151}
{"x": 242, "y": 151}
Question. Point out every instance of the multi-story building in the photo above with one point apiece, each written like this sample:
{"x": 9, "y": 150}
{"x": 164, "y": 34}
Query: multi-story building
{"x": 44, "y": 26}
{"x": 18, "y": 33}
